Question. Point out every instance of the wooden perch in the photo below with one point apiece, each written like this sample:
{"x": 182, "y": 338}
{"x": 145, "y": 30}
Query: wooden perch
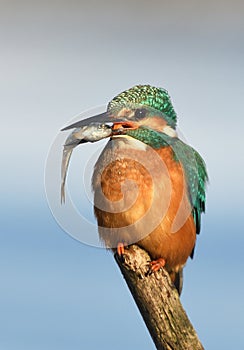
{"x": 158, "y": 302}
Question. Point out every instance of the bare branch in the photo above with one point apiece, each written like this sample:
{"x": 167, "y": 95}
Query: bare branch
{"x": 158, "y": 302}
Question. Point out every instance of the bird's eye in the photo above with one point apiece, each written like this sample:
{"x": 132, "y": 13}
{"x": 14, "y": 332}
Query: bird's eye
{"x": 140, "y": 113}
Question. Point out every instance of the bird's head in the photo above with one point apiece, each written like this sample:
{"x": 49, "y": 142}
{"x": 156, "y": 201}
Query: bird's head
{"x": 139, "y": 106}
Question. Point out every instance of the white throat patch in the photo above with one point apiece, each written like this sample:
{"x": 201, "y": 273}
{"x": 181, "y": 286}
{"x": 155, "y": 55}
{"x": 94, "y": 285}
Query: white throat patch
{"x": 126, "y": 141}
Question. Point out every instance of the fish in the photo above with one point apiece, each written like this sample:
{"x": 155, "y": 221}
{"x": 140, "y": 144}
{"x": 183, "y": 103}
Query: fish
{"x": 92, "y": 132}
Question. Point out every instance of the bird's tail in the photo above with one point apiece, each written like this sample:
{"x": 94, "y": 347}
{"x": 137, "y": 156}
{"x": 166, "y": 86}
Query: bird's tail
{"x": 177, "y": 279}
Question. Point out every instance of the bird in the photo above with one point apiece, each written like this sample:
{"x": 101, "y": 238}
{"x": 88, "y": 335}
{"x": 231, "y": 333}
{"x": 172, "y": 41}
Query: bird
{"x": 149, "y": 185}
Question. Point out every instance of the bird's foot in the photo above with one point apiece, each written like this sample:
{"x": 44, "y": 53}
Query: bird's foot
{"x": 121, "y": 251}
{"x": 156, "y": 265}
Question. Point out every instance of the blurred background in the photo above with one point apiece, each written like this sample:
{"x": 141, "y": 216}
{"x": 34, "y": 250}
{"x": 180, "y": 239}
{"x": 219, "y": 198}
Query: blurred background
{"x": 59, "y": 58}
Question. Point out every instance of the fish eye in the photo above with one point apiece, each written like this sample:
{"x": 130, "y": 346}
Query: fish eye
{"x": 108, "y": 125}
{"x": 140, "y": 113}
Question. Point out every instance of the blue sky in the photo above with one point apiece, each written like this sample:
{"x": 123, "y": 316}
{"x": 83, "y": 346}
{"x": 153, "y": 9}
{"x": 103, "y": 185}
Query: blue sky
{"x": 59, "y": 59}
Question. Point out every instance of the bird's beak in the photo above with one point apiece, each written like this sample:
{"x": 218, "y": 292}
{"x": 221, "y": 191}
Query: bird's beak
{"x": 105, "y": 118}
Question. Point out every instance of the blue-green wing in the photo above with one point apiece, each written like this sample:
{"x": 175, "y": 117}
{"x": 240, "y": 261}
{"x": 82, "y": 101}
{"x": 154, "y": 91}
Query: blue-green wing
{"x": 196, "y": 177}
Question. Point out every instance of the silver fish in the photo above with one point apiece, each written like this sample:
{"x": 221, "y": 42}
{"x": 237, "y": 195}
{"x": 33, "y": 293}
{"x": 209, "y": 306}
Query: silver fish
{"x": 88, "y": 133}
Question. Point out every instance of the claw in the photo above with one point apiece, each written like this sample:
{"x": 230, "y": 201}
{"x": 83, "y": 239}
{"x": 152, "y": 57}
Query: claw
{"x": 120, "y": 248}
{"x": 121, "y": 251}
{"x": 156, "y": 265}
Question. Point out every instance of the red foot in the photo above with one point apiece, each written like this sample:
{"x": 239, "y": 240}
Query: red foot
{"x": 120, "y": 249}
{"x": 156, "y": 265}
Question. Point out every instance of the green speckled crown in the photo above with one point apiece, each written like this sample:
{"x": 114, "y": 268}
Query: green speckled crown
{"x": 151, "y": 96}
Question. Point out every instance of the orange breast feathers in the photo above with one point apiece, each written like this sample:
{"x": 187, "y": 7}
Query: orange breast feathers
{"x": 140, "y": 196}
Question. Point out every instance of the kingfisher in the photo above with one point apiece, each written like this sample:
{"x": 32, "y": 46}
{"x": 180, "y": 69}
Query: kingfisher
{"x": 149, "y": 186}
